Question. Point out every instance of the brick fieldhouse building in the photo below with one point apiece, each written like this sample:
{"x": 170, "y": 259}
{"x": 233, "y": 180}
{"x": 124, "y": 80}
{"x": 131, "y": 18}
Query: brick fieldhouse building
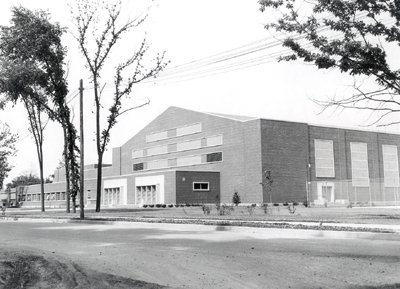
{"x": 185, "y": 156}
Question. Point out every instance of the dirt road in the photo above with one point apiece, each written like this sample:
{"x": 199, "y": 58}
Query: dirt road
{"x": 195, "y": 256}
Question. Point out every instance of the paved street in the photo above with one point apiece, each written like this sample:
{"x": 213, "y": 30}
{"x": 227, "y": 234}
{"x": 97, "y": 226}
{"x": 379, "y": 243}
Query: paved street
{"x": 195, "y": 256}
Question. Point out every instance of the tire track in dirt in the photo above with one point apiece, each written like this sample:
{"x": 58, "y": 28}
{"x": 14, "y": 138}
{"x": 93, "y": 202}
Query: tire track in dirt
{"x": 18, "y": 270}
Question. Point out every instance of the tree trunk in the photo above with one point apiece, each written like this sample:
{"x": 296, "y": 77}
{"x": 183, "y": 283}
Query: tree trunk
{"x": 98, "y": 145}
{"x": 66, "y": 166}
{"x": 99, "y": 176}
{"x": 41, "y": 178}
{"x": 74, "y": 204}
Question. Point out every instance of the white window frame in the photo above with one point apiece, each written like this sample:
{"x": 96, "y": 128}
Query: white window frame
{"x": 390, "y": 182}
{"x": 364, "y": 181}
{"x": 137, "y": 154}
{"x": 318, "y": 173}
{"x": 201, "y": 190}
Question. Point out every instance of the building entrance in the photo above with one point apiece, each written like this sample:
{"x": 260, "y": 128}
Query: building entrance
{"x": 326, "y": 193}
{"x": 112, "y": 196}
{"x": 146, "y": 194}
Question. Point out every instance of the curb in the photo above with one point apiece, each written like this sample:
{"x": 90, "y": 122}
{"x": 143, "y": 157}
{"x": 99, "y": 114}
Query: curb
{"x": 209, "y": 222}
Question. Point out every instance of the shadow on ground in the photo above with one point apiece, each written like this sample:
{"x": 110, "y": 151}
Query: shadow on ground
{"x": 385, "y": 286}
{"x": 30, "y": 271}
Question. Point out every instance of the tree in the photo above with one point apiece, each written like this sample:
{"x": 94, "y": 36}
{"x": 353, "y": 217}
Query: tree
{"x": 7, "y": 149}
{"x": 355, "y": 37}
{"x": 236, "y": 199}
{"x": 32, "y": 61}
{"x": 98, "y": 32}
{"x": 24, "y": 180}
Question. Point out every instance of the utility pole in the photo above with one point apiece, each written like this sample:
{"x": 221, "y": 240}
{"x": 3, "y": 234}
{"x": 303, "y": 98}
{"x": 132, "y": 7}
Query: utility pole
{"x": 82, "y": 181}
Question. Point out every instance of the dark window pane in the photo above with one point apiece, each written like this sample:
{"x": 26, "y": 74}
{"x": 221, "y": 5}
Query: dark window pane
{"x": 138, "y": 167}
{"x": 214, "y": 157}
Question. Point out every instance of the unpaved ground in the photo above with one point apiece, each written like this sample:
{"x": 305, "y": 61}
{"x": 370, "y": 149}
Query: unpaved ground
{"x": 194, "y": 256}
{"x": 19, "y": 269}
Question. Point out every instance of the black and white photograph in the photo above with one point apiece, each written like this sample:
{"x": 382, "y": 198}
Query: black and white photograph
{"x": 226, "y": 144}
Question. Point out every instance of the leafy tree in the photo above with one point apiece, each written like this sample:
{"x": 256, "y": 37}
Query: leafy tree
{"x": 32, "y": 61}
{"x": 7, "y": 149}
{"x": 355, "y": 37}
{"x": 98, "y": 32}
{"x": 24, "y": 180}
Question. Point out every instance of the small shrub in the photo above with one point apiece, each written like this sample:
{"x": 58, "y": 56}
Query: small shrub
{"x": 187, "y": 205}
{"x": 306, "y": 204}
{"x": 225, "y": 210}
{"x": 265, "y": 208}
{"x": 291, "y": 209}
{"x": 276, "y": 205}
{"x": 151, "y": 206}
{"x": 164, "y": 205}
{"x": 285, "y": 204}
{"x": 250, "y": 209}
{"x": 158, "y": 205}
{"x": 206, "y": 209}
{"x": 181, "y": 205}
{"x": 236, "y": 199}
{"x": 295, "y": 203}
{"x": 144, "y": 206}
{"x": 176, "y": 205}
{"x": 170, "y": 205}
{"x": 254, "y": 205}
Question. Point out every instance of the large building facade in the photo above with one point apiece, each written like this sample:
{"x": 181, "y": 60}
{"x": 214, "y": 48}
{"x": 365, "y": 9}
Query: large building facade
{"x": 185, "y": 156}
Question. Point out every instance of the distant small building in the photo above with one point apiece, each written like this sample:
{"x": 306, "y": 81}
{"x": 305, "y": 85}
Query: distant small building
{"x": 8, "y": 197}
{"x": 186, "y": 156}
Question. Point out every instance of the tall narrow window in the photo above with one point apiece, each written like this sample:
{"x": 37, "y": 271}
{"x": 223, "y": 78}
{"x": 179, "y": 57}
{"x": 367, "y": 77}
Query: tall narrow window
{"x": 359, "y": 164}
{"x": 390, "y": 166}
{"x": 324, "y": 159}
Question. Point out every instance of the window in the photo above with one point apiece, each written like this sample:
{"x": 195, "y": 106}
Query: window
{"x": 63, "y": 196}
{"x": 214, "y": 157}
{"x": 111, "y": 196}
{"x": 138, "y": 167}
{"x": 201, "y": 186}
{"x": 189, "y": 145}
{"x": 156, "y": 136}
{"x": 359, "y": 164}
{"x": 390, "y": 166}
{"x": 158, "y": 164}
{"x": 214, "y": 140}
{"x": 188, "y": 161}
{"x": 137, "y": 154}
{"x": 58, "y": 196}
{"x": 158, "y": 150}
{"x": 324, "y": 159}
{"x": 28, "y": 198}
{"x": 189, "y": 129}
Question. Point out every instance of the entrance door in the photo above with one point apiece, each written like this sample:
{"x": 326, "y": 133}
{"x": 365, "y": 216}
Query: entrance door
{"x": 146, "y": 194}
{"x": 326, "y": 193}
{"x": 112, "y": 196}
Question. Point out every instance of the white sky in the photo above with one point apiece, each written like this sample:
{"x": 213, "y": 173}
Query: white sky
{"x": 189, "y": 30}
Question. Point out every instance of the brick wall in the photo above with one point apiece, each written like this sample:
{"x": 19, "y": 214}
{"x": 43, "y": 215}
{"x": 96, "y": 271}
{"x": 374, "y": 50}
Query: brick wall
{"x": 285, "y": 153}
{"x": 184, "y": 187}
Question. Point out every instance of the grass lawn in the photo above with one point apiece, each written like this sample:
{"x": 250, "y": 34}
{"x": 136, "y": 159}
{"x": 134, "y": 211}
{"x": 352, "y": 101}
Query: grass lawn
{"x": 373, "y": 215}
